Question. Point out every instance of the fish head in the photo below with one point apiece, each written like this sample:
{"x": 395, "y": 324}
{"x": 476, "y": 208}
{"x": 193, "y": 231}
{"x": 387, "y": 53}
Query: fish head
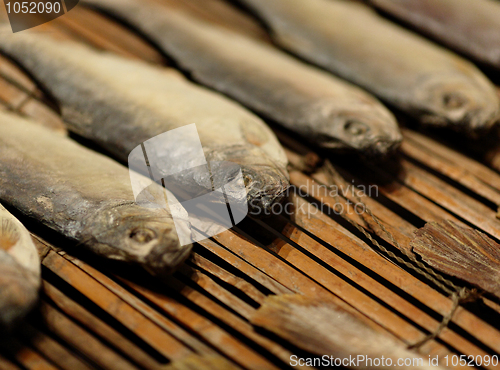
{"x": 265, "y": 180}
{"x": 18, "y": 290}
{"x": 466, "y": 105}
{"x": 142, "y": 236}
{"x": 368, "y": 130}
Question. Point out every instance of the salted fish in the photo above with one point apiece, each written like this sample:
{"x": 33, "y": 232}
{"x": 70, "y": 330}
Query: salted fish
{"x": 405, "y": 70}
{"x": 326, "y": 110}
{"x": 87, "y": 197}
{"x": 471, "y": 27}
{"x": 20, "y": 273}
{"x": 121, "y": 103}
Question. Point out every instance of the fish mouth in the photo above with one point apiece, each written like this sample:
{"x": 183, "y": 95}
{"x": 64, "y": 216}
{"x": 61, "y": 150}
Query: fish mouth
{"x": 467, "y": 106}
{"x": 265, "y": 186}
{"x": 261, "y": 200}
{"x": 379, "y": 148}
{"x": 475, "y": 123}
{"x": 181, "y": 257}
{"x": 479, "y": 122}
{"x": 262, "y": 204}
{"x": 383, "y": 148}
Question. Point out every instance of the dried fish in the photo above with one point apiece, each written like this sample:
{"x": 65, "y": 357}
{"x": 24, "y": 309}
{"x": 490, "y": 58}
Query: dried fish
{"x": 19, "y": 270}
{"x": 121, "y": 103}
{"x": 322, "y": 108}
{"x": 85, "y": 196}
{"x": 461, "y": 252}
{"x": 324, "y": 329}
{"x": 468, "y": 26}
{"x": 414, "y": 75}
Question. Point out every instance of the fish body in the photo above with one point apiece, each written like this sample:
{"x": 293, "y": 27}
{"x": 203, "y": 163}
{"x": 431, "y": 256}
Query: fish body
{"x": 20, "y": 272}
{"x": 471, "y": 27}
{"x": 120, "y": 104}
{"x": 85, "y": 196}
{"x": 326, "y": 110}
{"x": 416, "y": 76}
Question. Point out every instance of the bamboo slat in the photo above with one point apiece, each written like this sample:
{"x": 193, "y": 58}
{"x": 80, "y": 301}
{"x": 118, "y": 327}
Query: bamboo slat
{"x": 96, "y": 317}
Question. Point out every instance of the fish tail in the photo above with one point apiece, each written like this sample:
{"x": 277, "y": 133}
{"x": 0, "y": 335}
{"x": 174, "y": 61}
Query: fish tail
{"x": 9, "y": 234}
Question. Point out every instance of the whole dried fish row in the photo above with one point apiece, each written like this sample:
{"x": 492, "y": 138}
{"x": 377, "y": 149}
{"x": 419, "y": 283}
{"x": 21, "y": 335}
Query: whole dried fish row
{"x": 20, "y": 273}
{"x": 465, "y": 253}
{"x": 405, "y": 70}
{"x": 85, "y": 196}
{"x": 322, "y": 108}
{"x": 471, "y": 27}
{"x": 323, "y": 329}
{"x": 120, "y": 104}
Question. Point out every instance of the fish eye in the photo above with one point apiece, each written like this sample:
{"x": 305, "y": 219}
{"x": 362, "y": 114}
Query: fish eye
{"x": 247, "y": 179}
{"x": 142, "y": 235}
{"x": 355, "y": 128}
{"x": 453, "y": 100}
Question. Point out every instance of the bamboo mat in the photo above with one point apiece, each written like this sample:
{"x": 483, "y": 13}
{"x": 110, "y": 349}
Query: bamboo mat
{"x": 94, "y": 314}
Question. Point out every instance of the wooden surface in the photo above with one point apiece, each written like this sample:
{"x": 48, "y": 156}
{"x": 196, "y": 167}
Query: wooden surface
{"x": 94, "y": 314}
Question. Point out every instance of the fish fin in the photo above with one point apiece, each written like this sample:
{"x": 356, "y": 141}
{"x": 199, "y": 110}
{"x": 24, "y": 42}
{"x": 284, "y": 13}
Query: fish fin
{"x": 462, "y": 252}
{"x": 321, "y": 327}
{"x": 9, "y": 234}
